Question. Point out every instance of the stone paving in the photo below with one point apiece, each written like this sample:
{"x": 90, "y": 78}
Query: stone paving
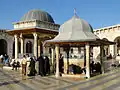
{"x": 13, "y": 80}
{"x": 107, "y": 81}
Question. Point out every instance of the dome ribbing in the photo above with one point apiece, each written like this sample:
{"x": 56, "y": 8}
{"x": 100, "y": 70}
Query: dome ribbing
{"x": 37, "y": 15}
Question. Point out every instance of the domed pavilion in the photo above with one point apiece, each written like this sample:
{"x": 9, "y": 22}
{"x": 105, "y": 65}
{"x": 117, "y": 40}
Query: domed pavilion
{"x": 37, "y": 25}
{"x": 76, "y": 33}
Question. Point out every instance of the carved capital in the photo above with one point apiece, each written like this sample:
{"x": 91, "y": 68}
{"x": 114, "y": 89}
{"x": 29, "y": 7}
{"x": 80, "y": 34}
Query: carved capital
{"x": 15, "y": 36}
{"x": 35, "y": 35}
{"x": 21, "y": 36}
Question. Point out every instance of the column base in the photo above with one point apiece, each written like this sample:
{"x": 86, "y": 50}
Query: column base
{"x": 57, "y": 75}
{"x": 87, "y": 75}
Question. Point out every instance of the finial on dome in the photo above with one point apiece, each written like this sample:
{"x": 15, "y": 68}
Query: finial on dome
{"x": 75, "y": 11}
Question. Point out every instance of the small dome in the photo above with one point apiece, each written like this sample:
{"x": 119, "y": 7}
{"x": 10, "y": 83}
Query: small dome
{"x": 37, "y": 15}
{"x": 76, "y": 24}
{"x": 74, "y": 30}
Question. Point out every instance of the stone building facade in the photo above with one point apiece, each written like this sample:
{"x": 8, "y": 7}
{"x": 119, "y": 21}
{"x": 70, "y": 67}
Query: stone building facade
{"x": 42, "y": 24}
{"x": 28, "y": 35}
{"x": 111, "y": 33}
{"x": 6, "y": 43}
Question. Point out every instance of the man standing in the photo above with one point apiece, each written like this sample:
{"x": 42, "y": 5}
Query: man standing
{"x": 24, "y": 65}
{"x": 28, "y": 63}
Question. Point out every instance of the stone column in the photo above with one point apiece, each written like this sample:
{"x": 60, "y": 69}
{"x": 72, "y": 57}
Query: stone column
{"x": 87, "y": 60}
{"x": 16, "y": 46}
{"x": 102, "y": 57}
{"x": 35, "y": 44}
{"x": 53, "y": 59}
{"x": 115, "y": 50}
{"x": 108, "y": 49}
{"x": 39, "y": 48}
{"x": 22, "y": 44}
{"x": 57, "y": 60}
{"x": 44, "y": 48}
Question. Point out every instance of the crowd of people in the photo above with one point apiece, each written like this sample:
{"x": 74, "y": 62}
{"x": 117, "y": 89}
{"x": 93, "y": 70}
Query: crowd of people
{"x": 29, "y": 65}
{"x": 4, "y": 60}
{"x": 44, "y": 65}
{"x": 15, "y": 65}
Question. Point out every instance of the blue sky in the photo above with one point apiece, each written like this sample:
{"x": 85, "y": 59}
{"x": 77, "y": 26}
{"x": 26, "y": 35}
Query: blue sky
{"x": 98, "y": 13}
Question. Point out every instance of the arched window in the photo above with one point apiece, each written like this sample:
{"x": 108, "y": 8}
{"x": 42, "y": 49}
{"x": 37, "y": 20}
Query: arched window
{"x": 29, "y": 47}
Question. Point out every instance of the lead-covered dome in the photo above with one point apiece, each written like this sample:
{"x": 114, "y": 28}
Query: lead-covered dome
{"x": 37, "y": 15}
{"x": 75, "y": 30}
{"x": 76, "y": 24}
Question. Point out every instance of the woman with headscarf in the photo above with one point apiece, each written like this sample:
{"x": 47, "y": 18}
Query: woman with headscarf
{"x": 32, "y": 67}
{"x": 47, "y": 65}
{"x": 41, "y": 66}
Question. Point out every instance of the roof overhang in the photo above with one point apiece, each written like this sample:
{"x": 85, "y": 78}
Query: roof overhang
{"x": 100, "y": 42}
{"x": 97, "y": 42}
{"x": 28, "y": 32}
{"x": 32, "y": 30}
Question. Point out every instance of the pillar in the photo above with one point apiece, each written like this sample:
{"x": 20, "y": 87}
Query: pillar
{"x": 87, "y": 60}
{"x": 44, "y": 48}
{"x": 35, "y": 44}
{"x": 102, "y": 58}
{"x": 108, "y": 49}
{"x": 22, "y": 44}
{"x": 16, "y": 46}
{"x": 67, "y": 61}
{"x": 53, "y": 59}
{"x": 39, "y": 48}
{"x": 115, "y": 50}
{"x": 57, "y": 61}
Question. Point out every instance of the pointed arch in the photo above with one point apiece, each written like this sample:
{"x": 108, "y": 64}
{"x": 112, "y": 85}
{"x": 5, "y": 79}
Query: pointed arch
{"x": 106, "y": 48}
{"x": 117, "y": 40}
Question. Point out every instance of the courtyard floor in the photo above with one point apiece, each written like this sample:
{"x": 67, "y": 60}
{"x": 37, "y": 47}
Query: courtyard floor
{"x": 13, "y": 80}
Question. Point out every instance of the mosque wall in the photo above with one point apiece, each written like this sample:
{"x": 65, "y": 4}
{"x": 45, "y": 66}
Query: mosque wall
{"x": 33, "y": 19}
{"x": 9, "y": 39}
{"x": 108, "y": 33}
